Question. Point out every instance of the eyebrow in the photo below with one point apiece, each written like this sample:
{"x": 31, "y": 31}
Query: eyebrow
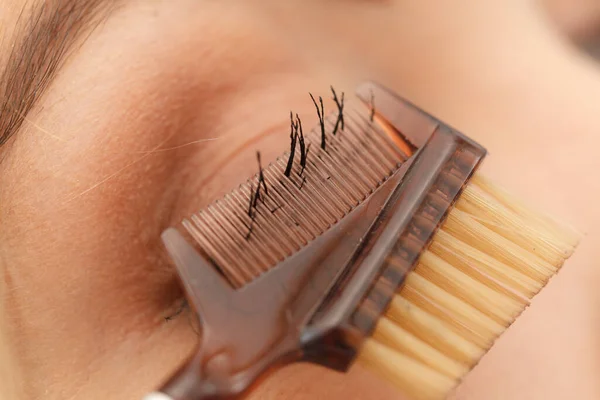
{"x": 43, "y": 39}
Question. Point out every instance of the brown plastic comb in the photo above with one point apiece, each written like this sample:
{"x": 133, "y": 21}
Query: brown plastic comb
{"x": 305, "y": 275}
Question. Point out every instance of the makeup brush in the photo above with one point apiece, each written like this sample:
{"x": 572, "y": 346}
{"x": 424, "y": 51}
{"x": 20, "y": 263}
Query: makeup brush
{"x": 483, "y": 266}
{"x": 490, "y": 257}
{"x": 382, "y": 246}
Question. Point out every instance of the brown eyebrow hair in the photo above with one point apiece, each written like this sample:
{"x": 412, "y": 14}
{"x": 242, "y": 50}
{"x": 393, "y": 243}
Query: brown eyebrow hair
{"x": 43, "y": 39}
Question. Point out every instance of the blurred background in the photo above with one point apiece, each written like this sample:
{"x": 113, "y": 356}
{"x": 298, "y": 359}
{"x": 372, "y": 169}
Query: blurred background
{"x": 580, "y": 19}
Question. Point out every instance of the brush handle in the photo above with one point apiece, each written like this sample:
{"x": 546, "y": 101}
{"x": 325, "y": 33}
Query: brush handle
{"x": 247, "y": 332}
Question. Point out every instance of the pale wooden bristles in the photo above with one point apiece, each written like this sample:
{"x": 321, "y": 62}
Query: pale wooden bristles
{"x": 491, "y": 256}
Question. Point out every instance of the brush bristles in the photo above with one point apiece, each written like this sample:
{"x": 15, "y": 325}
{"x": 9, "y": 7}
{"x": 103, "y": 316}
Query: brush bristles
{"x": 491, "y": 256}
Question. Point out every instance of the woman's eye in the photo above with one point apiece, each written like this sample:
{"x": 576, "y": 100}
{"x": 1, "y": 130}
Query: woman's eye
{"x": 118, "y": 119}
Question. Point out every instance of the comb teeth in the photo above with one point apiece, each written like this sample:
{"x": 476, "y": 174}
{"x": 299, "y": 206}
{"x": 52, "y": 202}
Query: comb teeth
{"x": 297, "y": 209}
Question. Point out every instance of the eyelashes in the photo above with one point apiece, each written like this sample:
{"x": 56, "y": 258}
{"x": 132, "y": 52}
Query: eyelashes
{"x": 320, "y": 114}
{"x": 267, "y": 212}
{"x": 297, "y": 138}
{"x": 372, "y": 106}
{"x": 280, "y": 209}
{"x": 295, "y": 198}
{"x": 255, "y": 195}
{"x": 340, "y": 105}
{"x": 294, "y": 125}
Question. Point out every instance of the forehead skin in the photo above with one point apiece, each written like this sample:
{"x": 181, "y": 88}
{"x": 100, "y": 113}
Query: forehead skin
{"x": 116, "y": 151}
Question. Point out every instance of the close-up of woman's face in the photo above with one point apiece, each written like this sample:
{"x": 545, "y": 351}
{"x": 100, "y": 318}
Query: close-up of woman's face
{"x": 120, "y": 118}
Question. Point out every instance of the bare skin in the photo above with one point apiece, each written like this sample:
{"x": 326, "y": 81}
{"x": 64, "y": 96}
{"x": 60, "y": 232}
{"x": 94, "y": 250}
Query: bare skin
{"x": 122, "y": 147}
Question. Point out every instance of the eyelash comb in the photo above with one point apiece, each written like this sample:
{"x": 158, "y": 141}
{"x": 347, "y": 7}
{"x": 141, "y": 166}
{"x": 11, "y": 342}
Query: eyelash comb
{"x": 375, "y": 241}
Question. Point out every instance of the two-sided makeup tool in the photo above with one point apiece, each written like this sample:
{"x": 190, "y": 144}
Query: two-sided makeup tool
{"x": 373, "y": 240}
